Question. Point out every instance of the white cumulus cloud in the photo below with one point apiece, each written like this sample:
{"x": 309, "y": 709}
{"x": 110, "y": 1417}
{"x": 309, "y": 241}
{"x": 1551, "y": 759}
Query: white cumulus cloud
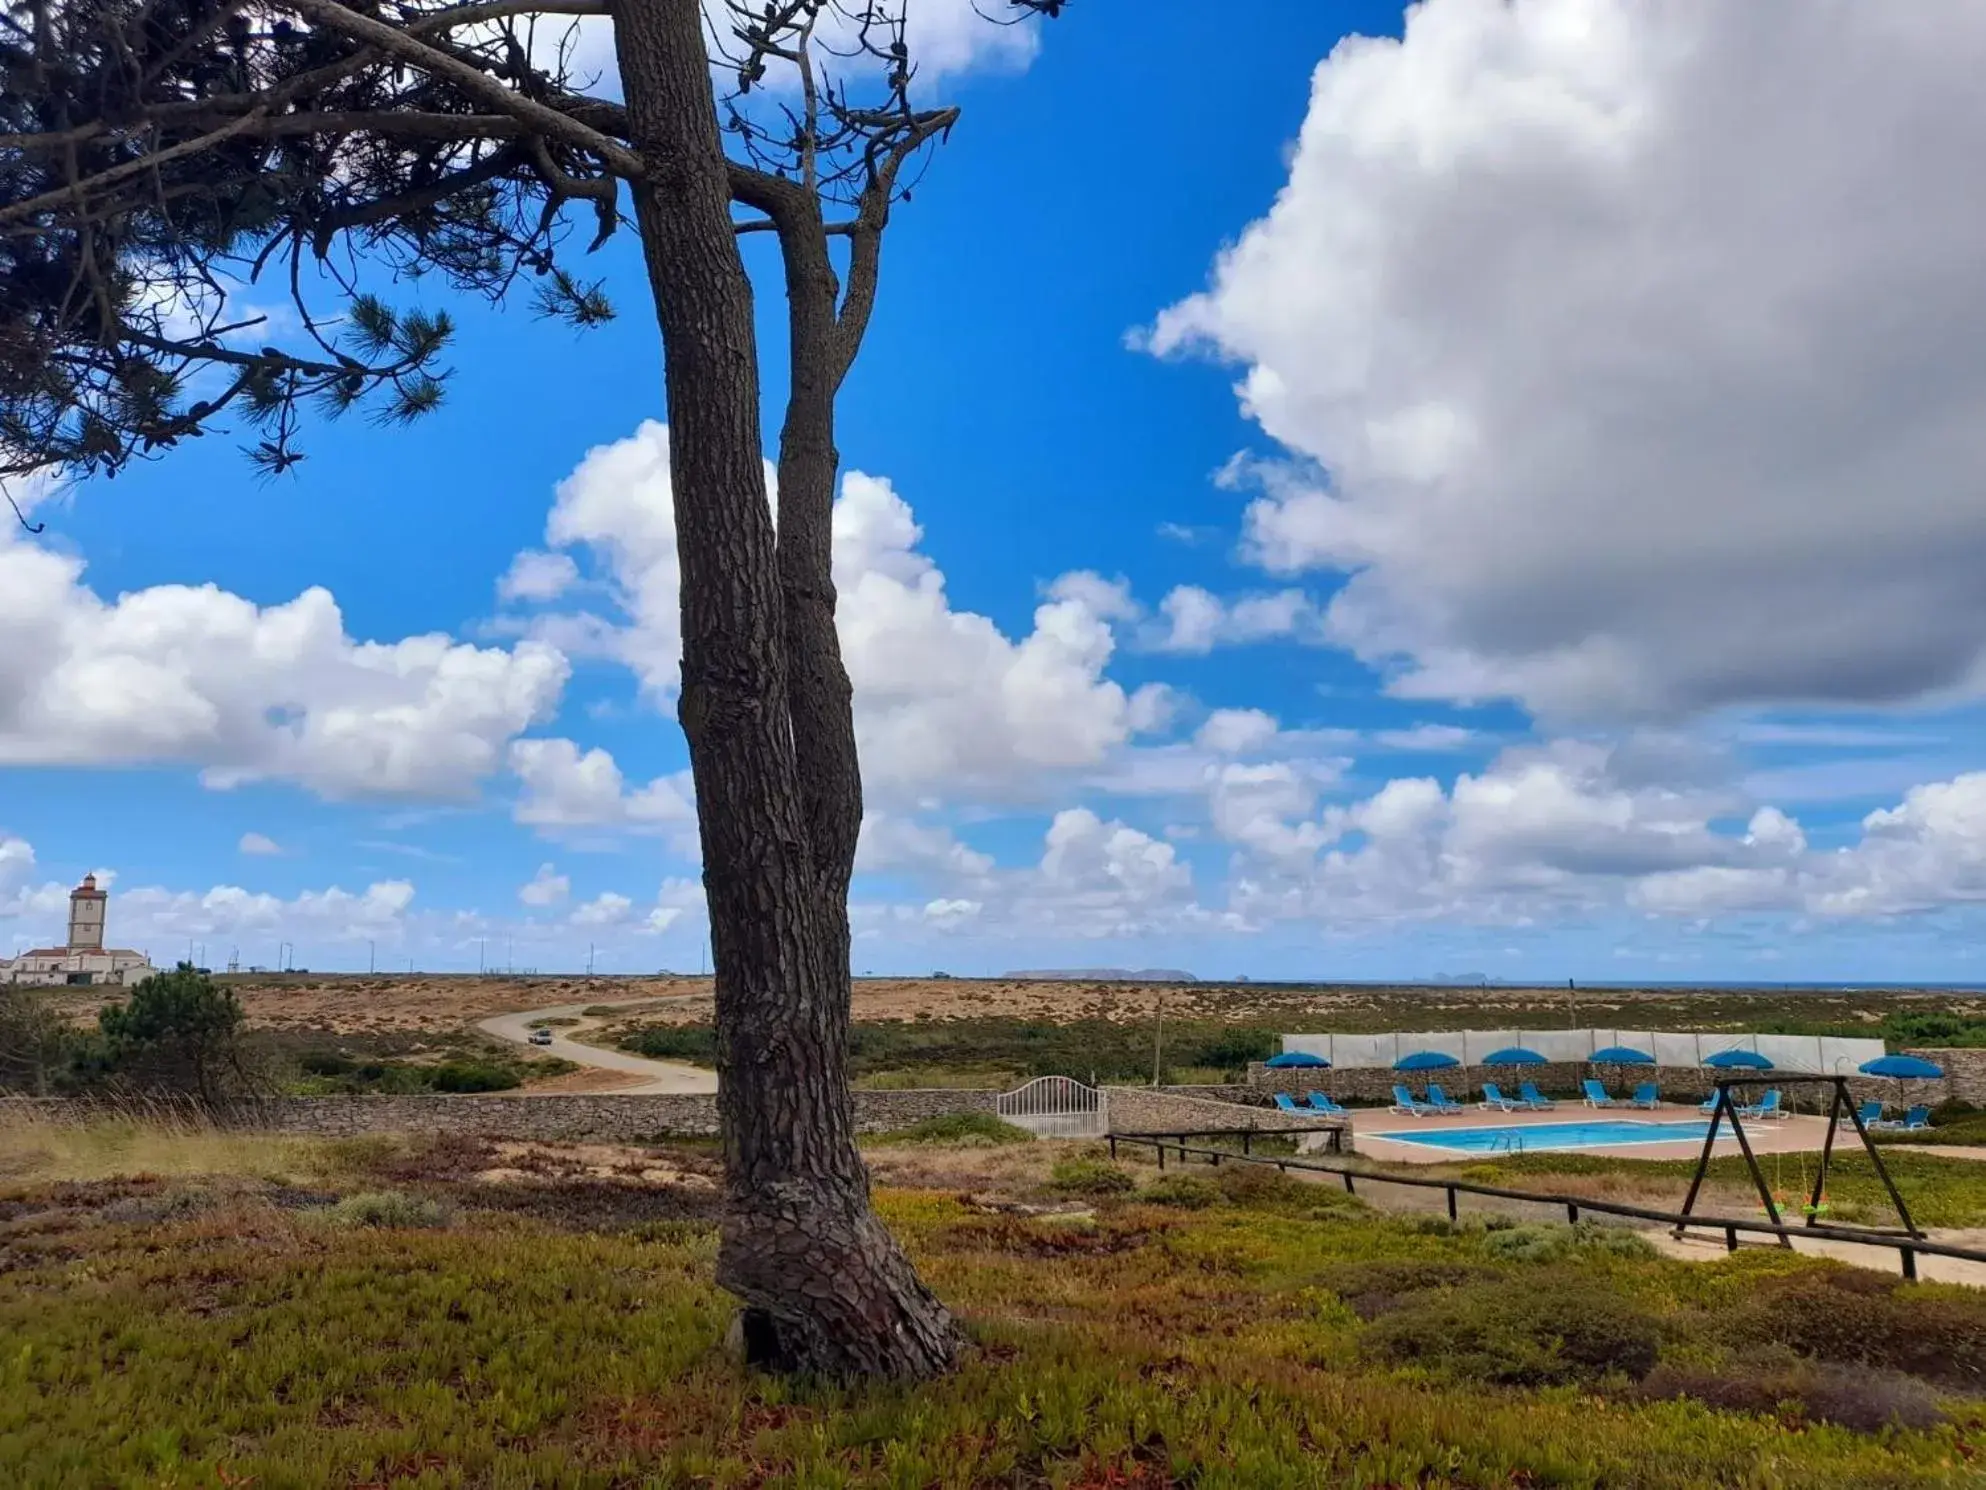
{"x": 564, "y": 788}
{"x": 1628, "y": 351}
{"x": 944, "y": 700}
{"x": 546, "y": 887}
{"x": 194, "y": 675}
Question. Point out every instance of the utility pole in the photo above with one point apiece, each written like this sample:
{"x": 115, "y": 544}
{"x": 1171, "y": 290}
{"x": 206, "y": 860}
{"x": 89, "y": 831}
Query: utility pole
{"x": 371, "y": 962}
{"x": 1158, "y": 1036}
{"x": 589, "y": 959}
{"x": 479, "y": 956}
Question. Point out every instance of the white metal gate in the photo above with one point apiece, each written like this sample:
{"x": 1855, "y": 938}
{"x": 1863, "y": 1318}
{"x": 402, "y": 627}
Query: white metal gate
{"x": 1054, "y": 1107}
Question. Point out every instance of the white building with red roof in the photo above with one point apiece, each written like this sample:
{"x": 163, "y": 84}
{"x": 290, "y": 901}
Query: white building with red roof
{"x": 85, "y": 960}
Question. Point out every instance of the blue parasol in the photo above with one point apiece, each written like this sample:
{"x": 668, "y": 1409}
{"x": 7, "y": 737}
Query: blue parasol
{"x": 1902, "y": 1067}
{"x": 1738, "y": 1060}
{"x": 1425, "y": 1060}
{"x": 1621, "y": 1055}
{"x": 1516, "y": 1055}
{"x": 1296, "y": 1059}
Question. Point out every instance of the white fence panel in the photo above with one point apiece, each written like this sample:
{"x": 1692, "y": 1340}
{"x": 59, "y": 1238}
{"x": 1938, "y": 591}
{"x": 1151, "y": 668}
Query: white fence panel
{"x": 1560, "y": 1045}
{"x": 1675, "y": 1050}
{"x": 1794, "y": 1054}
{"x": 1487, "y": 1042}
{"x": 1447, "y": 1042}
{"x": 1357, "y": 1052}
{"x": 1710, "y": 1044}
{"x": 1845, "y": 1057}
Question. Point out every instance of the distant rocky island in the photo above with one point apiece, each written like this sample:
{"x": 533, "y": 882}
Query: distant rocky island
{"x": 1106, "y": 975}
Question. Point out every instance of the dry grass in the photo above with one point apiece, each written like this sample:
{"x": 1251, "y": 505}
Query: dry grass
{"x": 34, "y": 1152}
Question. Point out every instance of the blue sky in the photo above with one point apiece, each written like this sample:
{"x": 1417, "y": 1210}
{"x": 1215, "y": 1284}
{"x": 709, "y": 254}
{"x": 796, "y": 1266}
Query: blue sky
{"x": 1344, "y": 508}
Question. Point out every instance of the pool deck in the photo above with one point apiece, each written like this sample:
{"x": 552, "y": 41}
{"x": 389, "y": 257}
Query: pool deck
{"x": 1791, "y": 1135}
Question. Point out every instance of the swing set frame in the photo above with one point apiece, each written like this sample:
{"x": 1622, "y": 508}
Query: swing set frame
{"x": 1842, "y": 1104}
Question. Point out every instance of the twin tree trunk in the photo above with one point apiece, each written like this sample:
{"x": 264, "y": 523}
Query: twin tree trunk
{"x": 765, "y": 707}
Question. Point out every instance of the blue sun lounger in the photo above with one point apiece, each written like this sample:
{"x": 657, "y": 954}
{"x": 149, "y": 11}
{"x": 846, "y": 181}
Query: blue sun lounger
{"x": 1536, "y": 1100}
{"x": 1405, "y": 1101}
{"x": 1321, "y": 1103}
{"x": 1596, "y": 1095}
{"x": 1767, "y": 1107}
{"x": 1493, "y": 1097}
{"x": 1439, "y": 1100}
{"x": 1648, "y": 1095}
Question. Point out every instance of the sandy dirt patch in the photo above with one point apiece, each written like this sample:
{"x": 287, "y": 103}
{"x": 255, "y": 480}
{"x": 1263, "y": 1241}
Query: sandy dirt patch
{"x": 543, "y": 1163}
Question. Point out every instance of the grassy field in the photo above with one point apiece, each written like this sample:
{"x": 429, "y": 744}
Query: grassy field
{"x": 211, "y": 1310}
{"x": 421, "y": 1006}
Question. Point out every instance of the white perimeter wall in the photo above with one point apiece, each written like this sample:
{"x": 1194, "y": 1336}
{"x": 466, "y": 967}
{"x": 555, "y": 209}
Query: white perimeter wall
{"x": 1807, "y": 1054}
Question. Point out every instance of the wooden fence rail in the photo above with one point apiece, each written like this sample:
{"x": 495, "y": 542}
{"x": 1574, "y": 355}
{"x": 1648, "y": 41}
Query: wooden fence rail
{"x": 1908, "y": 1246}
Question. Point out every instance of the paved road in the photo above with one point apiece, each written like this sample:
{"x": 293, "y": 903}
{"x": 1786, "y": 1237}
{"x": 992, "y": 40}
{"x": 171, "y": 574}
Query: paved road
{"x": 664, "y": 1076}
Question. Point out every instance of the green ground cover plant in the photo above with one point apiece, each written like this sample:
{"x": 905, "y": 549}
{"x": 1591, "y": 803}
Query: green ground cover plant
{"x": 175, "y": 1319}
{"x": 175, "y": 1316}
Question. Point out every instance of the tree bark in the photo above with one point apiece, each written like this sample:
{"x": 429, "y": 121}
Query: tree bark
{"x": 825, "y": 1287}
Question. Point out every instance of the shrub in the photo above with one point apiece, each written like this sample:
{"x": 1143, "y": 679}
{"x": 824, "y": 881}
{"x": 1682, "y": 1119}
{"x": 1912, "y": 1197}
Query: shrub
{"x": 1370, "y": 1289}
{"x": 967, "y": 1130}
{"x": 1854, "y": 1315}
{"x": 388, "y": 1208}
{"x": 1545, "y": 1241}
{"x": 674, "y": 1042}
{"x": 1519, "y": 1332}
{"x": 472, "y": 1076}
{"x": 1264, "y": 1189}
{"x": 324, "y": 1063}
{"x": 179, "y": 1031}
{"x": 1859, "y": 1399}
{"x": 34, "y": 1043}
{"x": 1092, "y": 1177}
{"x": 1188, "y": 1192}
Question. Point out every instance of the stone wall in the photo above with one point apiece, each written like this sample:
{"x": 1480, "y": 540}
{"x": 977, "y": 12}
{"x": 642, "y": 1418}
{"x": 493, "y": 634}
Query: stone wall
{"x": 604, "y": 1117}
{"x": 1964, "y": 1079}
{"x": 1144, "y": 1109}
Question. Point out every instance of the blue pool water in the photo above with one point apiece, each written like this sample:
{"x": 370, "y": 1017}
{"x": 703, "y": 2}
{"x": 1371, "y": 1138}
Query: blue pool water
{"x": 1551, "y": 1137}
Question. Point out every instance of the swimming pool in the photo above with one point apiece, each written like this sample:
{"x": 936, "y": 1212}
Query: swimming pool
{"x": 1535, "y": 1138}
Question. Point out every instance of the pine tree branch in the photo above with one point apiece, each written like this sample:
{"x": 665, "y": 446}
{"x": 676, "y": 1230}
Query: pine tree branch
{"x": 397, "y": 43}
{"x": 74, "y": 190}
